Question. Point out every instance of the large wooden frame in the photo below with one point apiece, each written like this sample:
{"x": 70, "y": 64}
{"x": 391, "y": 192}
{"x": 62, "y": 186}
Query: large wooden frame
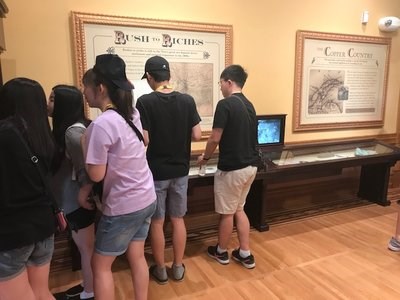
{"x": 340, "y": 81}
{"x": 197, "y": 53}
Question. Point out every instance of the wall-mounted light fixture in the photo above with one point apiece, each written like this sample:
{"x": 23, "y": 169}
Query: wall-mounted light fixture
{"x": 389, "y": 24}
{"x": 364, "y": 17}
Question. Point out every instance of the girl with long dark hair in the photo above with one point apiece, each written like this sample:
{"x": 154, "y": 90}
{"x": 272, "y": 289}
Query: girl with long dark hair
{"x": 71, "y": 183}
{"x": 26, "y": 214}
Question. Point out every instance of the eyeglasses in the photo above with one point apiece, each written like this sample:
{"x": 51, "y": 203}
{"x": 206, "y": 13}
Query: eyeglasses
{"x": 222, "y": 80}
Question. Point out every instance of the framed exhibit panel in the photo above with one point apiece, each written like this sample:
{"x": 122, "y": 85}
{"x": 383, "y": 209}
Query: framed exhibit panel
{"x": 340, "y": 81}
{"x": 197, "y": 53}
{"x": 3, "y": 12}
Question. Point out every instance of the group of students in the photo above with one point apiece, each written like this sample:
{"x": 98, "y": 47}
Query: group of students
{"x": 141, "y": 154}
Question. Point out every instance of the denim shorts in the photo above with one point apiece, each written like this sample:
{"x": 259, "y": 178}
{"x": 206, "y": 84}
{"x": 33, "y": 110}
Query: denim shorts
{"x": 114, "y": 233}
{"x": 13, "y": 262}
{"x": 171, "y": 197}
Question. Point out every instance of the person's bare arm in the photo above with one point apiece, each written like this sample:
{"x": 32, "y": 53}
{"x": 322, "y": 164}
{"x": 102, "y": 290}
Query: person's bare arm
{"x": 83, "y": 196}
{"x": 146, "y": 137}
{"x": 196, "y": 133}
{"x": 212, "y": 143}
{"x": 96, "y": 172}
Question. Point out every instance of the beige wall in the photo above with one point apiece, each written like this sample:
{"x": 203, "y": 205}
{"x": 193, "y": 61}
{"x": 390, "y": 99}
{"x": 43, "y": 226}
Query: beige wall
{"x": 39, "y": 45}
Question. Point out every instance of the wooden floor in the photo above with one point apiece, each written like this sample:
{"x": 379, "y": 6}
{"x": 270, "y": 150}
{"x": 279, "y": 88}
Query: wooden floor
{"x": 342, "y": 255}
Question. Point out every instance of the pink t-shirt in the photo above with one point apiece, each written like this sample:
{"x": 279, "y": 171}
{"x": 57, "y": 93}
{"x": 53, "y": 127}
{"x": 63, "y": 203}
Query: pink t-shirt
{"x": 128, "y": 183}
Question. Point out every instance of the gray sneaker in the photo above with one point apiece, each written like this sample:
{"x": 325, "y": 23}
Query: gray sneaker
{"x": 158, "y": 274}
{"x": 178, "y": 272}
{"x": 394, "y": 244}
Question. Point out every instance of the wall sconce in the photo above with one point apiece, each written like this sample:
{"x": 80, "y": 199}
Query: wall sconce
{"x": 389, "y": 24}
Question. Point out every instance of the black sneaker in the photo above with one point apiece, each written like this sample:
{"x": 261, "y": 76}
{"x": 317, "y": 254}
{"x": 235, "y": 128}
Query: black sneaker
{"x": 60, "y": 296}
{"x": 74, "y": 291}
{"x": 248, "y": 262}
{"x": 222, "y": 258}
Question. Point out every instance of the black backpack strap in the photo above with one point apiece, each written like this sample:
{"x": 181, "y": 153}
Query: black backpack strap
{"x": 35, "y": 160}
{"x": 130, "y": 123}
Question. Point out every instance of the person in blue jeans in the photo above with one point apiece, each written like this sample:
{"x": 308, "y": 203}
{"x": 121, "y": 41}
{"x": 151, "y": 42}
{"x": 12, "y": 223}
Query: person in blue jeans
{"x": 27, "y": 223}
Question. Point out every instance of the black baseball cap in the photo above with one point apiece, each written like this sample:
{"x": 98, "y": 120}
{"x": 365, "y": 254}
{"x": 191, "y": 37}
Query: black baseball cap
{"x": 156, "y": 64}
{"x": 112, "y": 68}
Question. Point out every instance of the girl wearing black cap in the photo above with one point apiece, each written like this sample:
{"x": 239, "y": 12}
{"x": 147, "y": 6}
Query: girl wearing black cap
{"x": 115, "y": 153}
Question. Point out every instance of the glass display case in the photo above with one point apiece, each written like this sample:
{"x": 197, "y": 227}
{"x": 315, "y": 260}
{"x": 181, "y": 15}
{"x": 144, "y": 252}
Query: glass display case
{"x": 317, "y": 160}
{"x": 305, "y": 164}
{"x": 329, "y": 153}
{"x": 314, "y": 154}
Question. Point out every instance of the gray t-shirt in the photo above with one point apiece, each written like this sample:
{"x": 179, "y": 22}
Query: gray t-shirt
{"x": 72, "y": 174}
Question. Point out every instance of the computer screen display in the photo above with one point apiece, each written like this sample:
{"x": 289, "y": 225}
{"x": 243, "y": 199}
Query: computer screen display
{"x": 270, "y": 130}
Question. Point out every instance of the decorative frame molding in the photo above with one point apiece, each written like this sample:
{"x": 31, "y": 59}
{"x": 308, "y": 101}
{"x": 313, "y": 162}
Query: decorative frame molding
{"x": 197, "y": 52}
{"x": 340, "y": 81}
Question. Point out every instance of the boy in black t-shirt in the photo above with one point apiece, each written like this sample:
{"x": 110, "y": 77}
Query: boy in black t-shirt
{"x": 235, "y": 132}
{"x": 170, "y": 122}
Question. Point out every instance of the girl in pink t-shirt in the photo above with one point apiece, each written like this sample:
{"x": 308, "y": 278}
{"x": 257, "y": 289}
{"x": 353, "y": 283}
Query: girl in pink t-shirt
{"x": 115, "y": 153}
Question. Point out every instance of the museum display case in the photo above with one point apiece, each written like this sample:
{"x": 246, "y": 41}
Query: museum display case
{"x": 317, "y": 171}
{"x": 312, "y": 163}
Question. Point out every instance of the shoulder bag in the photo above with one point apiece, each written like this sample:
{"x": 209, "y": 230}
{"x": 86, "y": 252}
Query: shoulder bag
{"x": 60, "y": 219}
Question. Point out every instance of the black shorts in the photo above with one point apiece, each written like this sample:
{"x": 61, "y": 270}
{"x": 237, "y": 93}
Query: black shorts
{"x": 81, "y": 218}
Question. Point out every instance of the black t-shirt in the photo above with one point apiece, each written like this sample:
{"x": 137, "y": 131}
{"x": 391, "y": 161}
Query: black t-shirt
{"x": 237, "y": 148}
{"x": 169, "y": 119}
{"x": 26, "y": 215}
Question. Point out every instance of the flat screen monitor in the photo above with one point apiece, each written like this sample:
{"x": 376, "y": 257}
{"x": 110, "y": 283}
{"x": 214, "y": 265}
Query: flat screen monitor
{"x": 271, "y": 130}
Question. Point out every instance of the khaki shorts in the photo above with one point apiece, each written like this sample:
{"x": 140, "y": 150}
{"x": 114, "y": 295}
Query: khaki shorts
{"x": 231, "y": 189}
